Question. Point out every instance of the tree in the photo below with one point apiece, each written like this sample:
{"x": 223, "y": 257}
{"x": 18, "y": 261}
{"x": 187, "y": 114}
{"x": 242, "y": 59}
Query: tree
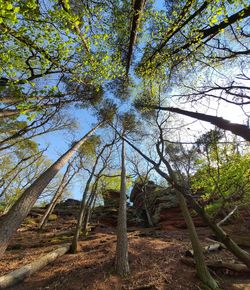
{"x": 66, "y": 179}
{"x": 128, "y": 124}
{"x": 187, "y": 193}
{"x": 142, "y": 172}
{"x": 238, "y": 129}
{"x": 13, "y": 219}
{"x": 191, "y": 27}
{"x": 221, "y": 173}
{"x": 177, "y": 177}
{"x": 18, "y": 170}
{"x": 121, "y": 259}
{"x": 83, "y": 213}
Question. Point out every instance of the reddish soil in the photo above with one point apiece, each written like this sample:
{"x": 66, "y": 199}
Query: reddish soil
{"x": 154, "y": 260}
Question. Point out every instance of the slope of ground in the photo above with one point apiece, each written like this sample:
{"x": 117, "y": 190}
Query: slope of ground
{"x": 154, "y": 259}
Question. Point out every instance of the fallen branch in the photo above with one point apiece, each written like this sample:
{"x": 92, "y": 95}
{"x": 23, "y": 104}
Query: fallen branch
{"x": 219, "y": 265}
{"x": 227, "y": 217}
{"x": 20, "y": 274}
{"x": 207, "y": 249}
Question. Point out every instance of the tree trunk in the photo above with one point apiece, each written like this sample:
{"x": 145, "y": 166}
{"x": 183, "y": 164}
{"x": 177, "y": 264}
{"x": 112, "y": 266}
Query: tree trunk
{"x": 87, "y": 217}
{"x": 200, "y": 264}
{"x": 73, "y": 247}
{"x": 121, "y": 260}
{"x": 84, "y": 205}
{"x": 86, "y": 221}
{"x": 235, "y": 128}
{"x": 138, "y": 11}
{"x": 10, "y": 222}
{"x": 20, "y": 274}
{"x": 56, "y": 197}
{"x": 242, "y": 255}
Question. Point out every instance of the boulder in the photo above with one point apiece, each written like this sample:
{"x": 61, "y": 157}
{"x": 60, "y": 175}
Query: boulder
{"x": 111, "y": 198}
{"x": 68, "y": 203}
{"x": 108, "y": 216}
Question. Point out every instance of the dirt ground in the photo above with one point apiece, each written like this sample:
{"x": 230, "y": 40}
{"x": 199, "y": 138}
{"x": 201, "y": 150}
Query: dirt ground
{"x": 154, "y": 258}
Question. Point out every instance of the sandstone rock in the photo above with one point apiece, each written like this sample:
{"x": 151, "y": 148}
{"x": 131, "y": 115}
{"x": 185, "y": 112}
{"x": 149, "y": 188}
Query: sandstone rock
{"x": 70, "y": 202}
{"x": 160, "y": 204}
{"x": 108, "y": 216}
{"x": 111, "y": 198}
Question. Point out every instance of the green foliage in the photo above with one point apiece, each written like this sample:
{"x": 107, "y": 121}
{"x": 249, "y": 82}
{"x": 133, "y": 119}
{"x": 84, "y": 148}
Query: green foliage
{"x": 129, "y": 122}
{"x": 112, "y": 182}
{"x": 89, "y": 147}
{"x": 107, "y": 111}
{"x": 177, "y": 39}
{"x": 225, "y": 180}
{"x": 52, "y": 217}
{"x": 18, "y": 169}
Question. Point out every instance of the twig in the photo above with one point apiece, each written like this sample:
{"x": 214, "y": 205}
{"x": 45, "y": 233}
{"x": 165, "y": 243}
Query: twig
{"x": 228, "y": 216}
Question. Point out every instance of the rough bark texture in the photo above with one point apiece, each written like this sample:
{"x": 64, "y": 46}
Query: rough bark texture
{"x": 121, "y": 261}
{"x": 201, "y": 267}
{"x": 56, "y": 197}
{"x": 20, "y": 274}
{"x": 84, "y": 205}
{"x": 73, "y": 247}
{"x": 10, "y": 222}
{"x": 138, "y": 10}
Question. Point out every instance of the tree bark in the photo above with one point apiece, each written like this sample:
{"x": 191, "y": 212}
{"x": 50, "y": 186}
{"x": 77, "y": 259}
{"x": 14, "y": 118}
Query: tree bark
{"x": 56, "y": 197}
{"x": 201, "y": 268}
{"x": 20, "y": 274}
{"x": 10, "y": 222}
{"x": 138, "y": 6}
{"x": 90, "y": 206}
{"x": 121, "y": 260}
{"x": 84, "y": 205}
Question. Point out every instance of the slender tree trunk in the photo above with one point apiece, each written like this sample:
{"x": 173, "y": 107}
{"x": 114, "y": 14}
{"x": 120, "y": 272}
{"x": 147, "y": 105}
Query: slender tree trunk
{"x": 10, "y": 222}
{"x": 8, "y": 113}
{"x": 90, "y": 208}
{"x": 84, "y": 206}
{"x": 241, "y": 254}
{"x": 57, "y": 196}
{"x": 73, "y": 247}
{"x": 121, "y": 260}
{"x": 88, "y": 213}
{"x": 86, "y": 221}
{"x": 201, "y": 268}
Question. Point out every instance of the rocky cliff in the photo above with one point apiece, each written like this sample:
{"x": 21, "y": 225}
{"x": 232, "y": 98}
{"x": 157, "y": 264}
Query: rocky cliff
{"x": 158, "y": 206}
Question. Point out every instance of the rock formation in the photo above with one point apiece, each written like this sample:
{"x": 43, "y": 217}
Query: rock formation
{"x": 158, "y": 206}
{"x": 107, "y": 214}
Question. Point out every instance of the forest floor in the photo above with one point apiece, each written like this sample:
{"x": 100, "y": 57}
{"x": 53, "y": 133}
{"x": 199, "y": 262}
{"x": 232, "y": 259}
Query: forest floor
{"x": 154, "y": 258}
